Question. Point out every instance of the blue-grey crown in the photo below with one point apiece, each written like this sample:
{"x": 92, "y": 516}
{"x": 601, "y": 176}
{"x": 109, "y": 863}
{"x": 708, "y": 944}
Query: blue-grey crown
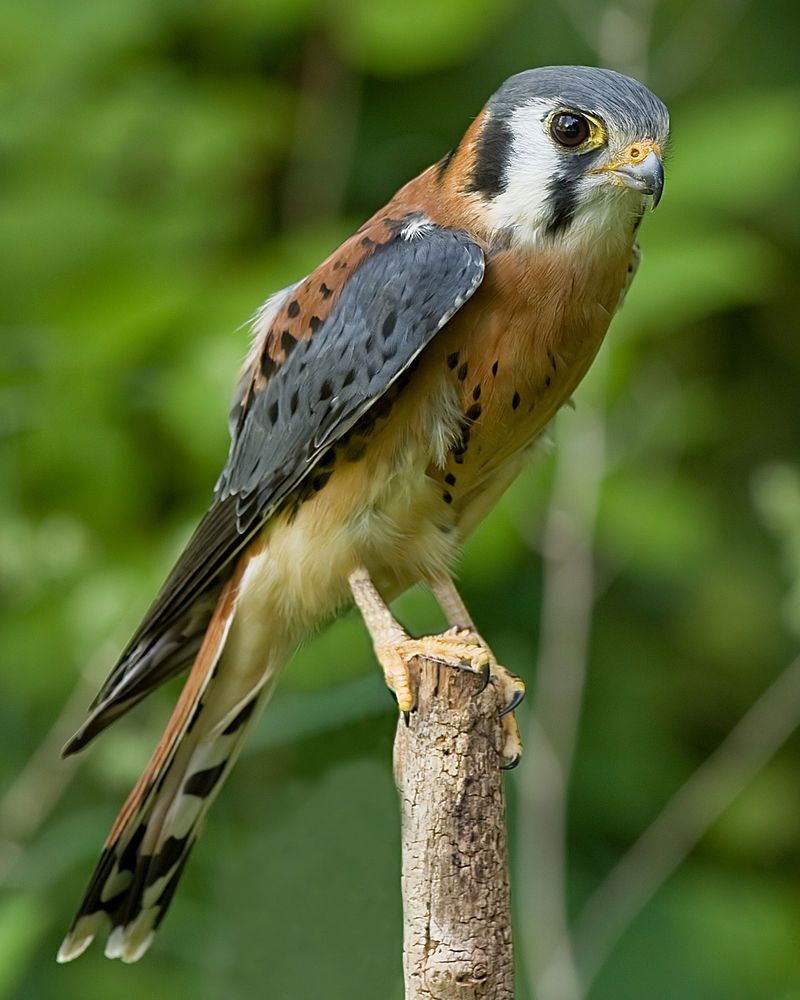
{"x": 617, "y": 99}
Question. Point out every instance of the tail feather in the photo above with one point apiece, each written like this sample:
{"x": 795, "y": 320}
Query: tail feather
{"x": 153, "y": 835}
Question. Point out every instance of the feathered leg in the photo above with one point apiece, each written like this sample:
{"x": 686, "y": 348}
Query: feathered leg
{"x": 395, "y": 648}
{"x": 460, "y": 646}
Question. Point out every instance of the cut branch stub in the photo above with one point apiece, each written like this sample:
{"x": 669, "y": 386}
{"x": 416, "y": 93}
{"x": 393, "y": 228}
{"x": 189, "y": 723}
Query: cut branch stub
{"x": 457, "y": 928}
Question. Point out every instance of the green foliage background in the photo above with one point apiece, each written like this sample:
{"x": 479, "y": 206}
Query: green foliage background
{"x": 163, "y": 167}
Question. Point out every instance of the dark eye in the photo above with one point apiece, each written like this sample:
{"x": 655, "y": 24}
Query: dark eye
{"x": 570, "y": 130}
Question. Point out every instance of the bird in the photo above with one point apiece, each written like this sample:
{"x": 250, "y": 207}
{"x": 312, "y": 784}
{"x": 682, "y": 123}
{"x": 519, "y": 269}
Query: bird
{"x": 388, "y": 400}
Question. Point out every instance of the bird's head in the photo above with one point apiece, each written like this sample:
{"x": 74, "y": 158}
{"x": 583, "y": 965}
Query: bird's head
{"x": 566, "y": 152}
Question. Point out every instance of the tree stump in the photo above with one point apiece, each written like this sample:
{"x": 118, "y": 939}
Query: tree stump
{"x": 457, "y": 926}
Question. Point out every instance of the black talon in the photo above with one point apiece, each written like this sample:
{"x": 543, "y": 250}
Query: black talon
{"x": 407, "y": 718}
{"x": 512, "y": 763}
{"x": 486, "y": 673}
{"x": 516, "y": 699}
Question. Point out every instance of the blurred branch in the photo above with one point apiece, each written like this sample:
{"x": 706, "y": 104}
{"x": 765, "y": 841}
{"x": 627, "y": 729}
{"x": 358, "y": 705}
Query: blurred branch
{"x": 699, "y": 36}
{"x": 759, "y": 734}
{"x": 34, "y": 793}
{"x": 457, "y": 924}
{"x": 324, "y": 138}
{"x": 568, "y": 600}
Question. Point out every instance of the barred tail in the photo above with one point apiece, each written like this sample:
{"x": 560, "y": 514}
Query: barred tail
{"x": 152, "y": 837}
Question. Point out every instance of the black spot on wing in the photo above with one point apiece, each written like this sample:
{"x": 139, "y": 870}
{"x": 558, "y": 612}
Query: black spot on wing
{"x": 385, "y": 314}
{"x": 288, "y": 342}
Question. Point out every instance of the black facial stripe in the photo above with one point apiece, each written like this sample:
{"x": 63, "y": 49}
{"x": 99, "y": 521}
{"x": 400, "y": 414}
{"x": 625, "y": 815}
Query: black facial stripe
{"x": 489, "y": 173}
{"x": 563, "y": 188}
{"x": 563, "y": 203}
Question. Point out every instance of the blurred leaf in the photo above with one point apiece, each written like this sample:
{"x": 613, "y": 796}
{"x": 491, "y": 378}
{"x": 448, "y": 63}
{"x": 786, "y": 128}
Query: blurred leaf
{"x": 391, "y": 39}
{"x": 705, "y": 273}
{"x": 655, "y": 524}
{"x": 726, "y": 156}
{"x": 23, "y": 918}
{"x": 776, "y": 491}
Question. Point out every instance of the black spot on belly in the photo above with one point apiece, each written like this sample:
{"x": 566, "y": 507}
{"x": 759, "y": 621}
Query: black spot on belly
{"x": 476, "y": 392}
{"x": 473, "y": 412}
{"x": 383, "y": 407}
{"x": 319, "y": 481}
{"x": 515, "y": 401}
{"x": 450, "y": 479}
{"x": 315, "y": 323}
{"x": 462, "y": 372}
{"x": 447, "y": 497}
{"x": 366, "y": 425}
{"x": 293, "y": 309}
{"x": 547, "y": 380}
{"x": 495, "y": 367}
{"x": 452, "y": 359}
{"x": 326, "y": 292}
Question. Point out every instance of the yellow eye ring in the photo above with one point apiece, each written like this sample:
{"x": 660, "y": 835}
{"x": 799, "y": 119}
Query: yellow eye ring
{"x": 571, "y": 129}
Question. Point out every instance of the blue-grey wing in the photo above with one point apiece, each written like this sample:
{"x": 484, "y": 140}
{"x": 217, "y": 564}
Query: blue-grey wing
{"x": 319, "y": 372}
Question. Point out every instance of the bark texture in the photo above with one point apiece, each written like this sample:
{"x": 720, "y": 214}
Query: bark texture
{"x": 457, "y": 926}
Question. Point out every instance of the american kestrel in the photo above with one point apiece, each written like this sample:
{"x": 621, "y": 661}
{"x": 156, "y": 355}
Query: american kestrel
{"x": 388, "y": 400}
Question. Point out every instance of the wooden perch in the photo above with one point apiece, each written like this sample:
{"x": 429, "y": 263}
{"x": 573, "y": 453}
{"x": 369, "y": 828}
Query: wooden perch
{"x": 457, "y": 926}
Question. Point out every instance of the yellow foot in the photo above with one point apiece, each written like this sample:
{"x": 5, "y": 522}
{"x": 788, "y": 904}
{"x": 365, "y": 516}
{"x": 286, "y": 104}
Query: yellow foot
{"x": 512, "y": 742}
{"x": 457, "y": 647}
{"x": 511, "y": 690}
{"x": 463, "y": 649}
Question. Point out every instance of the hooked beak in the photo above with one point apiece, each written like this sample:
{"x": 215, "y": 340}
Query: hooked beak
{"x": 642, "y": 170}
